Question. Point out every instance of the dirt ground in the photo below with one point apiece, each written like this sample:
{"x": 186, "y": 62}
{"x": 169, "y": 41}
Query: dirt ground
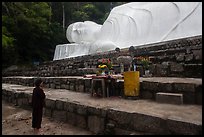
{"x": 17, "y": 121}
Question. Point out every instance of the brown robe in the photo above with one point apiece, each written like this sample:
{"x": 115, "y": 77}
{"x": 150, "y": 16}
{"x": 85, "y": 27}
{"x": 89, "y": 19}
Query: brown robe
{"x": 38, "y": 100}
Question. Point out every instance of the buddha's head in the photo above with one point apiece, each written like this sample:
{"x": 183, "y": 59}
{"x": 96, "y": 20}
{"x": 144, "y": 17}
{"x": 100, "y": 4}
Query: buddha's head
{"x": 87, "y": 31}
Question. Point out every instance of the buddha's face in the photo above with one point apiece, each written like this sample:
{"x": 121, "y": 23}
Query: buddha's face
{"x": 83, "y": 32}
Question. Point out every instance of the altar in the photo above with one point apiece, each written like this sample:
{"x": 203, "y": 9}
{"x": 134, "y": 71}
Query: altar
{"x": 104, "y": 86}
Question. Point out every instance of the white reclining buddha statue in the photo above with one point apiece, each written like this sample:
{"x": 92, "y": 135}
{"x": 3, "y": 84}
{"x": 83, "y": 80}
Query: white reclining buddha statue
{"x": 133, "y": 24}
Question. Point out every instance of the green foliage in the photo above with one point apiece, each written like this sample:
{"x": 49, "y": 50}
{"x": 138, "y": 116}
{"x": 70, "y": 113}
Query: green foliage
{"x": 80, "y": 16}
{"x": 31, "y": 30}
{"x": 95, "y": 11}
{"x": 28, "y": 24}
{"x": 7, "y": 39}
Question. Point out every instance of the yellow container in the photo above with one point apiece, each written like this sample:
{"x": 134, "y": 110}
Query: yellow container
{"x": 131, "y": 83}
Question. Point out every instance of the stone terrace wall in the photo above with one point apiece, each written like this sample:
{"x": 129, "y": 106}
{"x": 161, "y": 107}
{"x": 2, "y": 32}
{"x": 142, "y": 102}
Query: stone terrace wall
{"x": 97, "y": 119}
{"x": 177, "y": 58}
{"x": 192, "y": 93}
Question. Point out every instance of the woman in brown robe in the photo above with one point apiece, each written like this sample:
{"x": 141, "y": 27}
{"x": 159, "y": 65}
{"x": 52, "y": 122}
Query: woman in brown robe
{"x": 38, "y": 100}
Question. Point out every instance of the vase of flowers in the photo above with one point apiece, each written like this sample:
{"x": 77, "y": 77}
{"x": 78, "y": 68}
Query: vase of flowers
{"x": 145, "y": 63}
{"x": 104, "y": 65}
{"x": 102, "y": 69}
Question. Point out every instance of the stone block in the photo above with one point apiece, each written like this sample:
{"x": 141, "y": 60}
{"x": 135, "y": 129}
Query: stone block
{"x": 49, "y": 103}
{"x": 19, "y": 101}
{"x": 72, "y": 86}
{"x": 178, "y": 127}
{"x": 16, "y": 95}
{"x": 180, "y": 57}
{"x": 63, "y": 86}
{"x": 184, "y": 87}
{"x": 198, "y": 95}
{"x": 4, "y": 92}
{"x": 52, "y": 85}
{"x": 13, "y": 98}
{"x": 51, "y": 80}
{"x": 21, "y": 95}
{"x": 170, "y": 98}
{"x": 197, "y": 54}
{"x": 189, "y": 57}
{"x": 176, "y": 67}
{"x": 81, "y": 121}
{"x": 70, "y": 107}
{"x": 9, "y": 99}
{"x": 87, "y": 83}
{"x": 87, "y": 90}
{"x": 165, "y": 87}
{"x": 152, "y": 124}
{"x": 81, "y": 109}
{"x": 64, "y": 81}
{"x": 59, "y": 115}
{"x": 58, "y": 87}
{"x": 47, "y": 112}
{"x": 59, "y": 105}
{"x": 67, "y": 86}
{"x": 189, "y": 97}
{"x": 151, "y": 86}
{"x": 81, "y": 88}
{"x": 123, "y": 119}
{"x": 77, "y": 88}
{"x": 193, "y": 70}
{"x": 25, "y": 101}
{"x": 93, "y": 110}
{"x": 71, "y": 118}
{"x": 147, "y": 94}
{"x": 57, "y": 81}
{"x": 104, "y": 112}
{"x": 96, "y": 124}
{"x": 8, "y": 93}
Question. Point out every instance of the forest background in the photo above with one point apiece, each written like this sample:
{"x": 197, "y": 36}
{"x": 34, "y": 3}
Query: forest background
{"x": 31, "y": 30}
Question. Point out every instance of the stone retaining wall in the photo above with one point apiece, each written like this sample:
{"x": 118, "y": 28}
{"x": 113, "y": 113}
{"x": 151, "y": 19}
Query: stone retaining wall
{"x": 98, "y": 119}
{"x": 74, "y": 84}
{"x": 179, "y": 58}
{"x": 192, "y": 92}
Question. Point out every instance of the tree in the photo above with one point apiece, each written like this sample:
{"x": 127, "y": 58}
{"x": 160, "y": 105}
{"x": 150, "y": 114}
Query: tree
{"x": 28, "y": 24}
{"x": 31, "y": 30}
{"x": 88, "y": 12}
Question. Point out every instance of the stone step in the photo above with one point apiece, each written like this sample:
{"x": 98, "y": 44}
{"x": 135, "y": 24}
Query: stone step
{"x": 92, "y": 113}
{"x": 170, "y": 98}
{"x": 191, "y": 88}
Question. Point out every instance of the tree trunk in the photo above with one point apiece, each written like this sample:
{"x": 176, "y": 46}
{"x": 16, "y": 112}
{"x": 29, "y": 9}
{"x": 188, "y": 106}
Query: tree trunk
{"x": 50, "y": 4}
{"x": 63, "y": 16}
{"x": 3, "y": 4}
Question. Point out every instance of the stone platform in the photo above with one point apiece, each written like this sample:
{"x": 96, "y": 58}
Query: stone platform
{"x": 126, "y": 116}
{"x": 190, "y": 88}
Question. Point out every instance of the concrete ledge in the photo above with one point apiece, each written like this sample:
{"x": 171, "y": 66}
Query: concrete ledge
{"x": 171, "y": 98}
